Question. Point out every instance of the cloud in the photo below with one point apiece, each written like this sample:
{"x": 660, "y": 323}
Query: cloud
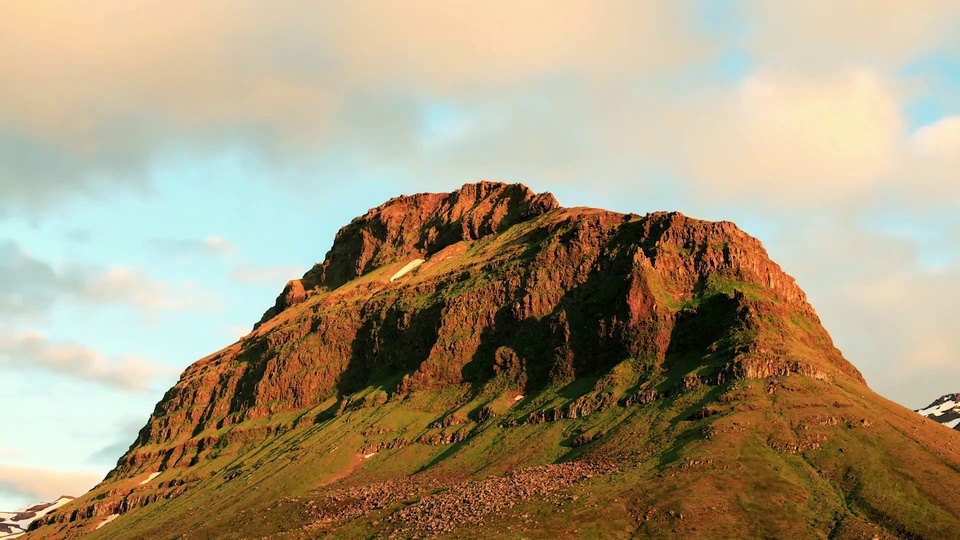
{"x": 237, "y": 332}
{"x": 287, "y": 80}
{"x": 941, "y": 140}
{"x": 185, "y": 247}
{"x": 31, "y": 286}
{"x": 276, "y": 276}
{"x": 45, "y": 485}
{"x": 32, "y": 351}
{"x": 110, "y": 454}
{"x": 124, "y": 285}
{"x": 782, "y": 138}
{"x": 10, "y": 453}
{"x": 814, "y": 34}
{"x": 890, "y": 314}
{"x": 124, "y": 433}
{"x": 27, "y": 285}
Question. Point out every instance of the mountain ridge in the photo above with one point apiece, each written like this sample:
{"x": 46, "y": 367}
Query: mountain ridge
{"x": 945, "y": 410}
{"x": 15, "y": 524}
{"x": 548, "y": 351}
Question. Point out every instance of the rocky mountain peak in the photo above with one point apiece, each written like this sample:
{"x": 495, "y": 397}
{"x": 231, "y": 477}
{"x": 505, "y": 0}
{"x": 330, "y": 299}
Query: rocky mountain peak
{"x": 422, "y": 224}
{"x": 417, "y": 226}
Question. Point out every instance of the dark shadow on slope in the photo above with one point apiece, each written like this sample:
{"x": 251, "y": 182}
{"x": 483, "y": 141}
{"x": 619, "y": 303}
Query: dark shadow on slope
{"x": 396, "y": 342}
{"x": 587, "y": 332}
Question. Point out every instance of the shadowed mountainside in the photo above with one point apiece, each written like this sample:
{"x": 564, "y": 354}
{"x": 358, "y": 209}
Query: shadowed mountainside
{"x": 547, "y": 372}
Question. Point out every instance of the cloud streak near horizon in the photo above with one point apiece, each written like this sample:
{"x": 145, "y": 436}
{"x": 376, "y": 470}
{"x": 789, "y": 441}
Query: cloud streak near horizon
{"x": 31, "y": 350}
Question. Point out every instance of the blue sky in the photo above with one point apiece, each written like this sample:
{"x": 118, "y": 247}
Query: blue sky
{"x": 161, "y": 183}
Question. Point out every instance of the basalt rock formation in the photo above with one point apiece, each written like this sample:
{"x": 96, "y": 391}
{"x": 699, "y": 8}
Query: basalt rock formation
{"x": 678, "y": 370}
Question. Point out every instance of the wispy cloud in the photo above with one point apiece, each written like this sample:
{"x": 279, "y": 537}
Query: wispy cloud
{"x": 33, "y": 351}
{"x": 44, "y": 485}
{"x": 276, "y": 276}
{"x": 29, "y": 285}
{"x": 184, "y": 247}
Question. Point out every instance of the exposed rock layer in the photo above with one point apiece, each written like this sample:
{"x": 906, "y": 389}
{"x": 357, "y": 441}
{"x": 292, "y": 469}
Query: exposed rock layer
{"x": 555, "y": 293}
{"x": 513, "y": 288}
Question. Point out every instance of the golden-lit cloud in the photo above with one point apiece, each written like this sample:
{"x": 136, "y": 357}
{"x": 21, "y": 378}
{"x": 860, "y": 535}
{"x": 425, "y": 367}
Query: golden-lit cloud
{"x": 98, "y": 91}
{"x": 801, "y": 140}
{"x": 817, "y": 34}
{"x": 940, "y": 141}
{"x": 45, "y": 485}
{"x": 33, "y": 351}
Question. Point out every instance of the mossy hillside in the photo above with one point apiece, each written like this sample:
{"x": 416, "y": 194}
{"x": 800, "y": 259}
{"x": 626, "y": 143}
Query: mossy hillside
{"x": 671, "y": 348}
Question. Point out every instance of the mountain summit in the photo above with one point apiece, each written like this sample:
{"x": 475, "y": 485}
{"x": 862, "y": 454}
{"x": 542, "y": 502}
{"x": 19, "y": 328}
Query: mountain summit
{"x": 486, "y": 363}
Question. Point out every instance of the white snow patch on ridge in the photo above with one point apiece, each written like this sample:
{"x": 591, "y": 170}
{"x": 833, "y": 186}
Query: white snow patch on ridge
{"x": 939, "y": 409}
{"x": 410, "y": 266}
{"x": 110, "y": 518}
{"x": 10, "y": 527}
{"x": 151, "y": 477}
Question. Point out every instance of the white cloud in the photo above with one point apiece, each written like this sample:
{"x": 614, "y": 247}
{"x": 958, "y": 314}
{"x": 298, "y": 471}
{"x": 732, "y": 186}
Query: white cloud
{"x": 32, "y": 351}
{"x": 940, "y": 141}
{"x": 45, "y": 485}
{"x": 29, "y": 286}
{"x": 128, "y": 285}
{"x": 276, "y": 276}
{"x": 182, "y": 247}
{"x": 218, "y": 244}
{"x": 237, "y": 332}
{"x": 793, "y": 140}
{"x": 818, "y": 34}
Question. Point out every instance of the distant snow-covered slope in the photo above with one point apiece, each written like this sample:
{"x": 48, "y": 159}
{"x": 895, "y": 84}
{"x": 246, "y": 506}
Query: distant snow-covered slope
{"x": 945, "y": 410}
{"x": 14, "y": 524}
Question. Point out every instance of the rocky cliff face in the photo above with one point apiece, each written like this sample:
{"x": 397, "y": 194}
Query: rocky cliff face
{"x": 561, "y": 292}
{"x": 523, "y": 314}
{"x": 418, "y": 226}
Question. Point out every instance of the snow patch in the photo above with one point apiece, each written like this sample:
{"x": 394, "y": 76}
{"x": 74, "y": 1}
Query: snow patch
{"x": 110, "y": 518}
{"x": 410, "y": 266}
{"x": 151, "y": 477}
{"x": 938, "y": 409}
{"x": 12, "y": 528}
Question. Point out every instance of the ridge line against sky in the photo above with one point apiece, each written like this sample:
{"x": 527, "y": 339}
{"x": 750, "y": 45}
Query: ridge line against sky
{"x": 166, "y": 168}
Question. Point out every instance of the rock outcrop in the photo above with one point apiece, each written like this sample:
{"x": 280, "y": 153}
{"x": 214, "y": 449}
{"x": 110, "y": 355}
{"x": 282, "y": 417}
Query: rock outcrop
{"x": 568, "y": 292}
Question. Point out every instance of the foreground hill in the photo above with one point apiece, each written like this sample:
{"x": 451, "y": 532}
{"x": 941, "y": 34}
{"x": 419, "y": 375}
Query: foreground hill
{"x": 486, "y": 363}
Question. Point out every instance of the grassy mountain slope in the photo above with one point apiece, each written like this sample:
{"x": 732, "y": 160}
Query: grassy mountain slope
{"x": 546, "y": 373}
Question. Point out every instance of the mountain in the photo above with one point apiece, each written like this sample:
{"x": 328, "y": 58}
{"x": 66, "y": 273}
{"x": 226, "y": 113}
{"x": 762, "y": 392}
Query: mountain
{"x": 487, "y": 363}
{"x": 945, "y": 410}
{"x": 15, "y": 524}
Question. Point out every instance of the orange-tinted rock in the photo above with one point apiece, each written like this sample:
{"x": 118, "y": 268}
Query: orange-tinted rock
{"x": 513, "y": 285}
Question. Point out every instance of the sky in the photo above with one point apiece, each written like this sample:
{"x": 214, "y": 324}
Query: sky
{"x": 166, "y": 167}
